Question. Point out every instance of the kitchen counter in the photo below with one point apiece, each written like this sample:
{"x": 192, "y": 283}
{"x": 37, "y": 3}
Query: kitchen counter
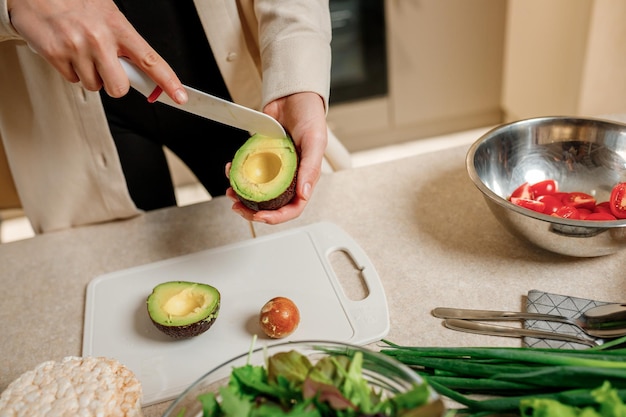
{"x": 424, "y": 225}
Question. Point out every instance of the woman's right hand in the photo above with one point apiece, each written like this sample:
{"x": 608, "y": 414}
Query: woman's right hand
{"x": 83, "y": 39}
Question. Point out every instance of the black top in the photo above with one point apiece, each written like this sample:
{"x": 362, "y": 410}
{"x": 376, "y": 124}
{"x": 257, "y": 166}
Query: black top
{"x": 173, "y": 29}
{"x": 140, "y": 129}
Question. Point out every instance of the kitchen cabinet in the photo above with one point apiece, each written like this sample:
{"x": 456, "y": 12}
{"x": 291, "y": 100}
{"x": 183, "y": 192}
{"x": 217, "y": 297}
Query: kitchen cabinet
{"x": 564, "y": 58}
{"x": 445, "y": 69}
{"x": 455, "y": 65}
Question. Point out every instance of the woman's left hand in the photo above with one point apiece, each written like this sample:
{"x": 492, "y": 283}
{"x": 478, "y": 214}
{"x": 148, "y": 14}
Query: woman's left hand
{"x": 303, "y": 115}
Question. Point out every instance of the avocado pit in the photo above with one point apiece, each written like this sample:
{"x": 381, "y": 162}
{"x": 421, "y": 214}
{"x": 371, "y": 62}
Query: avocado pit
{"x": 262, "y": 167}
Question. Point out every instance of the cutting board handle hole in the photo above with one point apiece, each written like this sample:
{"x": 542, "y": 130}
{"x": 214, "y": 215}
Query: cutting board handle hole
{"x": 349, "y": 275}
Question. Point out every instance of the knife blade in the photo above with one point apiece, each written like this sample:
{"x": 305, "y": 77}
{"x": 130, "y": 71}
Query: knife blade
{"x": 471, "y": 314}
{"x": 495, "y": 330}
{"x": 206, "y": 105}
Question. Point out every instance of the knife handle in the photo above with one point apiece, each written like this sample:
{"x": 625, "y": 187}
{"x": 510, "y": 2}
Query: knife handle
{"x": 494, "y": 330}
{"x": 139, "y": 80}
{"x": 469, "y": 314}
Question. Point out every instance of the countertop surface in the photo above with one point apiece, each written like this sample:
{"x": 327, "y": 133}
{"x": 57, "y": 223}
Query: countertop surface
{"x": 421, "y": 221}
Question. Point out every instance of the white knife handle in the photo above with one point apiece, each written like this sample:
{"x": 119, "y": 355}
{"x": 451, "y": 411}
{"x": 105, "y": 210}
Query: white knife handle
{"x": 138, "y": 79}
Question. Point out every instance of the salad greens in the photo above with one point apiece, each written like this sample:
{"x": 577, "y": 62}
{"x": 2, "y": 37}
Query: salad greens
{"x": 488, "y": 380}
{"x": 608, "y": 405}
{"x": 290, "y": 385}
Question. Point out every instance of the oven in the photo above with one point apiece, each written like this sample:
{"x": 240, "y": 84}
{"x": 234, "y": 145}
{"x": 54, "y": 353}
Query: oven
{"x": 359, "y": 57}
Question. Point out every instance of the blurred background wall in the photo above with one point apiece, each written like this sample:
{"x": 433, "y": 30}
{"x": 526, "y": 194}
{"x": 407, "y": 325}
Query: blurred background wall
{"x": 454, "y": 65}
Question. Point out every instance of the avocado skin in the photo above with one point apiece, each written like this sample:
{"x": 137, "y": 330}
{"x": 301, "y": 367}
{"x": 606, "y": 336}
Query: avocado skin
{"x": 190, "y": 330}
{"x": 275, "y": 203}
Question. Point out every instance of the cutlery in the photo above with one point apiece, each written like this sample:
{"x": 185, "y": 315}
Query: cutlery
{"x": 494, "y": 330}
{"x": 206, "y": 105}
{"x": 605, "y": 321}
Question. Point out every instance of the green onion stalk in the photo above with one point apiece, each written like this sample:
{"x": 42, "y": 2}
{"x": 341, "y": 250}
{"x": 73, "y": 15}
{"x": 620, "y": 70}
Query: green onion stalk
{"x": 496, "y": 380}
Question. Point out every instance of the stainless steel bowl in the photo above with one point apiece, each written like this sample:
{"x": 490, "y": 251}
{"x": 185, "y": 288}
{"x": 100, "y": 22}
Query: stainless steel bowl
{"x": 582, "y": 154}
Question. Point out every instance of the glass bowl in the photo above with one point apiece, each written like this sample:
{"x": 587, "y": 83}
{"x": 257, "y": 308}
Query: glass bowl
{"x": 383, "y": 373}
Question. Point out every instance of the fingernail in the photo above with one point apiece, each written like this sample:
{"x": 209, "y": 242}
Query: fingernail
{"x": 181, "y": 96}
{"x": 260, "y": 220}
{"x": 306, "y": 191}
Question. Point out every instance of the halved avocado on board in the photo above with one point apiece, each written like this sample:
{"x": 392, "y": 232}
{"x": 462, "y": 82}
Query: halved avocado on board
{"x": 264, "y": 171}
{"x": 183, "y": 309}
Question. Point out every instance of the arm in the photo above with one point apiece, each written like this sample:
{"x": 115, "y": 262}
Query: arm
{"x": 294, "y": 42}
{"x": 82, "y": 39}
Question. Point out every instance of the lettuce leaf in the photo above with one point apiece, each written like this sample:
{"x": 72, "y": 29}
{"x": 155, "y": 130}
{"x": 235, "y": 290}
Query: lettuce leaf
{"x": 608, "y": 405}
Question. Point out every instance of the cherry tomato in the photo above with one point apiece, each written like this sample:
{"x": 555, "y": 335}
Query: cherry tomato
{"x": 603, "y": 207}
{"x": 523, "y": 191}
{"x": 600, "y": 216}
{"x": 567, "y": 212}
{"x": 552, "y": 204}
{"x": 529, "y": 204}
{"x": 544, "y": 197}
{"x": 583, "y": 213}
{"x": 579, "y": 200}
{"x": 618, "y": 201}
{"x": 544, "y": 187}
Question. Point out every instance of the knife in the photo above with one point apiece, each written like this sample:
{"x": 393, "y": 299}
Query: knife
{"x": 470, "y": 314}
{"x": 206, "y": 105}
{"x": 494, "y": 330}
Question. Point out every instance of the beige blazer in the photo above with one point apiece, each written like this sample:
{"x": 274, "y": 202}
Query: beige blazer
{"x": 60, "y": 152}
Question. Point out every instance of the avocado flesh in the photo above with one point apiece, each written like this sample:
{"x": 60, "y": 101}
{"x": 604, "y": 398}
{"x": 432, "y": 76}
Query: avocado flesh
{"x": 183, "y": 309}
{"x": 264, "y": 171}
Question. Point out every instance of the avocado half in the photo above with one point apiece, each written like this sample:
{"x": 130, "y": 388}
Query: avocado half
{"x": 182, "y": 309}
{"x": 263, "y": 172}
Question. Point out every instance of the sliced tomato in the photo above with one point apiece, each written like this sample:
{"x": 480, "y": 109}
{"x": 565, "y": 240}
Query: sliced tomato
{"x": 567, "y": 212}
{"x": 579, "y": 200}
{"x": 552, "y": 203}
{"x": 523, "y": 191}
{"x": 603, "y": 207}
{"x": 544, "y": 197}
{"x": 529, "y": 204}
{"x": 618, "y": 201}
{"x": 583, "y": 213}
{"x": 600, "y": 216}
{"x": 544, "y": 187}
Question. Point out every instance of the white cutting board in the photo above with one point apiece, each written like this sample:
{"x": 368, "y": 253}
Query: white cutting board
{"x": 293, "y": 264}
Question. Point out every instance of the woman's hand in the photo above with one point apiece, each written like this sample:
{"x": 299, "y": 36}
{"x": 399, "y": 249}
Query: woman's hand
{"x": 83, "y": 39}
{"x": 303, "y": 116}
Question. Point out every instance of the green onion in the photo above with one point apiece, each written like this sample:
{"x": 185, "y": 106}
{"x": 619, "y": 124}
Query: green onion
{"x": 507, "y": 375}
{"x": 479, "y": 384}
